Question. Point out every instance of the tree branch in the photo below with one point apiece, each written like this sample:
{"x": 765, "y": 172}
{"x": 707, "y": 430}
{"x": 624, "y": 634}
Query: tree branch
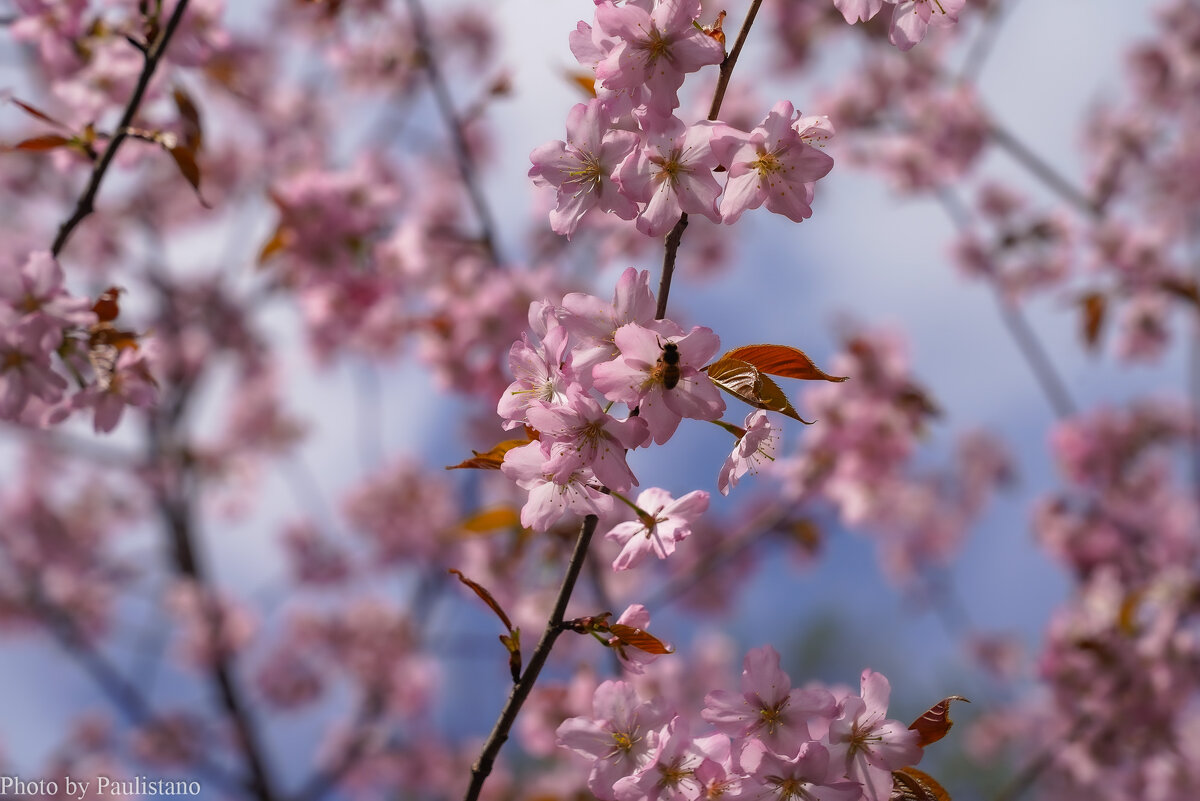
{"x": 462, "y": 153}
{"x": 520, "y": 691}
{"x": 85, "y": 205}
{"x": 676, "y": 234}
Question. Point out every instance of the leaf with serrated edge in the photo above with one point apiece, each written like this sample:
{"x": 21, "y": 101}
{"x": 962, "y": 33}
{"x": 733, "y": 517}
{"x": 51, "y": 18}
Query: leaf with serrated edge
{"x": 745, "y": 382}
{"x": 781, "y": 360}
{"x": 935, "y": 723}
{"x": 487, "y": 598}
{"x": 910, "y": 784}
{"x": 637, "y": 638}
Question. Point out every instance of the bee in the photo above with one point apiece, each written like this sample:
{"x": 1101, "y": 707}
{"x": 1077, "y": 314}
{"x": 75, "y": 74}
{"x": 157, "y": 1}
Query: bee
{"x": 668, "y": 365}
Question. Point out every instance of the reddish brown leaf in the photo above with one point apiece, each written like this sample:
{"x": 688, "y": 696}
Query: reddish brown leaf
{"x": 910, "y": 784}
{"x": 487, "y": 598}
{"x": 43, "y": 142}
{"x": 744, "y": 381}
{"x": 637, "y": 638}
{"x": 193, "y": 134}
{"x": 35, "y": 112}
{"x": 1095, "y": 307}
{"x": 185, "y": 160}
{"x": 491, "y": 460}
{"x": 497, "y": 517}
{"x": 781, "y": 360}
{"x": 933, "y": 725}
{"x": 1182, "y": 288}
{"x": 107, "y": 306}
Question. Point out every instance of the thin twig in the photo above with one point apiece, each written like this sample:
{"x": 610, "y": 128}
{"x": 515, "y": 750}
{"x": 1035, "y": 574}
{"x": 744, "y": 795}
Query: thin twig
{"x": 676, "y": 234}
{"x": 1044, "y": 172}
{"x": 462, "y": 152}
{"x": 520, "y": 691}
{"x": 1047, "y": 377}
{"x": 86, "y": 202}
{"x": 985, "y": 41}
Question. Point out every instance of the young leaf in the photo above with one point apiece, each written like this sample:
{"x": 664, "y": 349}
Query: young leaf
{"x": 492, "y": 459}
{"x": 38, "y": 113}
{"x": 512, "y": 643}
{"x": 781, "y": 360}
{"x": 910, "y": 784}
{"x": 486, "y": 597}
{"x": 933, "y": 725}
{"x": 1094, "y": 306}
{"x": 40, "y": 143}
{"x": 193, "y": 134}
{"x": 744, "y": 381}
{"x": 637, "y": 638}
{"x": 185, "y": 160}
{"x": 497, "y": 517}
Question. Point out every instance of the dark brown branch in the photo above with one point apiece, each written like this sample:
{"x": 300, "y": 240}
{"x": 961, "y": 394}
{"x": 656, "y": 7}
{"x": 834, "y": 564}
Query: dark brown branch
{"x": 462, "y": 152}
{"x": 676, "y": 234}
{"x": 520, "y": 691}
{"x": 86, "y": 202}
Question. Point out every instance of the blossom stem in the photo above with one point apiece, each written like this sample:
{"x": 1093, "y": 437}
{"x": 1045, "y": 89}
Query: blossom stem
{"x": 520, "y": 691}
{"x": 86, "y": 203}
{"x": 676, "y": 235}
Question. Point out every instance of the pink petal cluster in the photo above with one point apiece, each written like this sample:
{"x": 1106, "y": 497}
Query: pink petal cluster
{"x": 770, "y": 743}
{"x": 626, "y": 152}
{"x": 590, "y": 354}
{"x": 910, "y": 19}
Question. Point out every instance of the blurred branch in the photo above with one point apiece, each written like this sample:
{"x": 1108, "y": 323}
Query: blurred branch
{"x": 467, "y": 169}
{"x": 1051, "y": 383}
{"x": 676, "y": 234}
{"x": 985, "y": 40}
{"x": 124, "y": 695}
{"x": 152, "y": 56}
{"x": 1053, "y": 179}
{"x": 520, "y": 691}
{"x": 326, "y": 779}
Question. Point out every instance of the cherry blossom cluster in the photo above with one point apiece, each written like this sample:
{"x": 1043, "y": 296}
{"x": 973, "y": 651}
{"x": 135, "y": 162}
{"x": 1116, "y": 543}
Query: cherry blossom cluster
{"x": 767, "y": 741}
{"x": 42, "y": 325}
{"x": 910, "y": 19}
{"x": 627, "y": 154}
{"x": 858, "y": 457}
{"x": 1122, "y": 653}
{"x": 589, "y": 355}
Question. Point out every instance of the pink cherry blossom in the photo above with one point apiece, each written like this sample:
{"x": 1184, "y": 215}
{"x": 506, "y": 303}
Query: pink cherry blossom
{"x": 551, "y": 497}
{"x": 759, "y": 443}
{"x": 667, "y": 521}
{"x": 654, "y": 49}
{"x": 585, "y": 436}
{"x": 773, "y": 165}
{"x": 672, "y": 175}
{"x": 636, "y": 378}
{"x": 868, "y": 745}
{"x": 913, "y": 18}
{"x": 594, "y": 323}
{"x": 623, "y": 736}
{"x": 767, "y": 708}
{"x": 581, "y": 168}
